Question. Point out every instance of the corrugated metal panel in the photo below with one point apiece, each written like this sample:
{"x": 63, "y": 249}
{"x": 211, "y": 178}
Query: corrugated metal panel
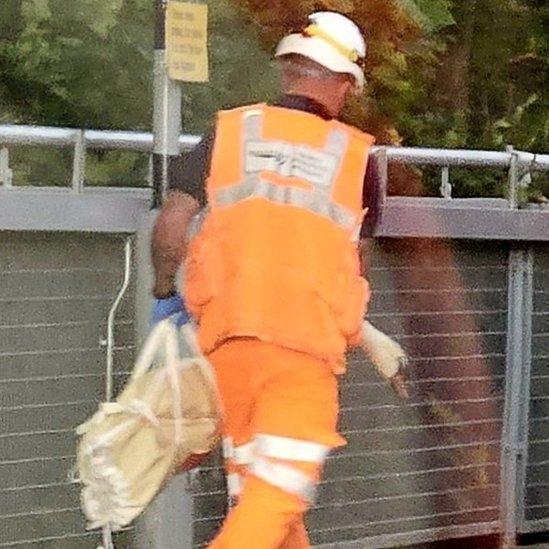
{"x": 55, "y": 294}
{"x": 432, "y": 462}
{"x": 537, "y": 473}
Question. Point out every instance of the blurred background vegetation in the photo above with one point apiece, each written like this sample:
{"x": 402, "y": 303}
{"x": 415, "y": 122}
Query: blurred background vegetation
{"x": 441, "y": 73}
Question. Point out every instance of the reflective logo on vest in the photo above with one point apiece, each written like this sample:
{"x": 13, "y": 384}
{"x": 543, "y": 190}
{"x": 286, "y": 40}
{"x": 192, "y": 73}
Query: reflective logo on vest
{"x": 317, "y": 167}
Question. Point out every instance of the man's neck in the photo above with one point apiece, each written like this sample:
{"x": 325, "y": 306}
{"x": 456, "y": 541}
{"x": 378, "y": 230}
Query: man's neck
{"x": 324, "y": 99}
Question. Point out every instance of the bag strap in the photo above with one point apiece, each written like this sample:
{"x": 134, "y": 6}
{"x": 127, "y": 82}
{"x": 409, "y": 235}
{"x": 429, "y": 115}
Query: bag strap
{"x": 161, "y": 336}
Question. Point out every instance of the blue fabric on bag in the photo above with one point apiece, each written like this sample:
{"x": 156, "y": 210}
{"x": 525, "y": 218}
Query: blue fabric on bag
{"x": 170, "y": 307}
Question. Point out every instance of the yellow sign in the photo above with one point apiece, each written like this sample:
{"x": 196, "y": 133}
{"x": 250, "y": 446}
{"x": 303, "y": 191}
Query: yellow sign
{"x": 187, "y": 41}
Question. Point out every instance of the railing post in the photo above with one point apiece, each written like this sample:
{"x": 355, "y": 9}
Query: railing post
{"x": 514, "y": 444}
{"x": 445, "y": 185}
{"x": 6, "y": 174}
{"x": 383, "y": 171}
{"x": 79, "y": 162}
{"x": 513, "y": 180}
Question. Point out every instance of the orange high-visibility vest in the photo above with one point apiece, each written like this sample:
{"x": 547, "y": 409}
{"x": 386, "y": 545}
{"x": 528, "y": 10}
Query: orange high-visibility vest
{"x": 275, "y": 257}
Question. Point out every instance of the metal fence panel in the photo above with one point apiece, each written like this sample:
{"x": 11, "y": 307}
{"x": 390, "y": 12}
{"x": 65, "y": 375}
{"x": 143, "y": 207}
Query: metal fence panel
{"x": 427, "y": 469}
{"x": 537, "y": 472}
{"x": 429, "y": 466}
{"x": 55, "y": 294}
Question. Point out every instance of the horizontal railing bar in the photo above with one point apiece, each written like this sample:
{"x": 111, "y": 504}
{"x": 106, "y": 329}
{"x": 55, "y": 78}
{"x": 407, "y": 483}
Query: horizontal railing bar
{"x": 41, "y": 379}
{"x": 538, "y": 485}
{"x": 413, "y": 381}
{"x": 440, "y": 291}
{"x": 538, "y": 463}
{"x": 420, "y": 427}
{"x": 55, "y": 298}
{"x": 47, "y": 405}
{"x": 33, "y": 433}
{"x": 418, "y": 404}
{"x": 30, "y": 487}
{"x": 415, "y": 473}
{"x": 67, "y": 324}
{"x": 435, "y": 268}
{"x": 41, "y": 512}
{"x": 40, "y": 540}
{"x": 377, "y": 522}
{"x": 431, "y": 313}
{"x": 421, "y": 449}
{"x": 37, "y": 135}
{"x": 75, "y": 270}
{"x": 404, "y": 496}
{"x": 143, "y": 142}
{"x": 407, "y": 519}
{"x": 62, "y": 351}
{"x": 446, "y": 357}
{"x": 394, "y": 539}
{"x": 37, "y": 460}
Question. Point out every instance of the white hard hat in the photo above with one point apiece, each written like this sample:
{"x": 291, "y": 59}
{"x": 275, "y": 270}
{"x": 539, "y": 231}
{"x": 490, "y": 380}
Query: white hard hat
{"x": 331, "y": 40}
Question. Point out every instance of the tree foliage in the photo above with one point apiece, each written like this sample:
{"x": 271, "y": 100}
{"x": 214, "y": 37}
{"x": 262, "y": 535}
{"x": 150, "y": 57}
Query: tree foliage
{"x": 443, "y": 73}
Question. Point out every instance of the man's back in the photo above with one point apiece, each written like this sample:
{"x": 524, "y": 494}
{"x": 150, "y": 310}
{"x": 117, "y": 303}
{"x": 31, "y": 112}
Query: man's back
{"x": 275, "y": 258}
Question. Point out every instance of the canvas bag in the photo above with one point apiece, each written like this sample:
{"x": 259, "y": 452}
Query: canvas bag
{"x": 165, "y": 419}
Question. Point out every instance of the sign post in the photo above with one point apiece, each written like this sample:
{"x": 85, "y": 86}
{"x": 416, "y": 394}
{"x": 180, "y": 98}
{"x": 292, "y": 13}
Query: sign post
{"x": 166, "y": 111}
{"x": 180, "y": 54}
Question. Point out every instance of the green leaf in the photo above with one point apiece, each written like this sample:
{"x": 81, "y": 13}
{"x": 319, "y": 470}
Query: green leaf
{"x": 35, "y": 11}
{"x": 431, "y": 15}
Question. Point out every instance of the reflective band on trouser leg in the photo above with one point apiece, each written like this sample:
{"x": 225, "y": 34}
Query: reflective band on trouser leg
{"x": 290, "y": 448}
{"x": 285, "y": 477}
{"x": 237, "y": 460}
{"x": 234, "y": 484}
{"x": 227, "y": 447}
{"x": 244, "y": 454}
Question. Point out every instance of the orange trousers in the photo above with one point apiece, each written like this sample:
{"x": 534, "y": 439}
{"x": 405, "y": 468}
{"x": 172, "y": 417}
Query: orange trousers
{"x": 273, "y": 391}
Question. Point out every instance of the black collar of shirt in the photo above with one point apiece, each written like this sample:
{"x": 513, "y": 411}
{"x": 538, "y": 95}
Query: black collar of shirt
{"x": 305, "y": 104}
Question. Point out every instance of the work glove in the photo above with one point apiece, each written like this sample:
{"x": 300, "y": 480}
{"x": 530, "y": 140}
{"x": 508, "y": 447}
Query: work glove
{"x": 388, "y": 357}
{"x": 174, "y": 307}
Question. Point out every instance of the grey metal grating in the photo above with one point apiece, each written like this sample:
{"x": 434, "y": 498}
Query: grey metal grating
{"x": 55, "y": 294}
{"x": 537, "y": 472}
{"x": 433, "y": 462}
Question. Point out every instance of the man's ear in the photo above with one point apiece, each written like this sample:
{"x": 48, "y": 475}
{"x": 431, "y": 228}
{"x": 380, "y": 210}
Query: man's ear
{"x": 346, "y": 86}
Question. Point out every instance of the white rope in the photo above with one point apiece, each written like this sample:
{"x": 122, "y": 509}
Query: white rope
{"x": 107, "y": 531}
{"x": 110, "y": 321}
{"x": 107, "y": 538}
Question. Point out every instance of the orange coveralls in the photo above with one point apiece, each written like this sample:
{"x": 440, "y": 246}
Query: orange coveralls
{"x": 273, "y": 279}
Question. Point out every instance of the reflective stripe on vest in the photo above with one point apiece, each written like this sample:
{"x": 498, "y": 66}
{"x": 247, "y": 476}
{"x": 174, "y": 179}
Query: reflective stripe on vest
{"x": 319, "y": 167}
{"x": 285, "y": 477}
{"x": 290, "y": 449}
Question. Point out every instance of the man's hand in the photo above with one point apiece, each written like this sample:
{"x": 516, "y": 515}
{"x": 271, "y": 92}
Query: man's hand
{"x": 170, "y": 306}
{"x": 399, "y": 383}
{"x": 388, "y": 357}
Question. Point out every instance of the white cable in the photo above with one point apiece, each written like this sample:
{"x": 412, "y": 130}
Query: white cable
{"x": 107, "y": 531}
{"x": 110, "y": 321}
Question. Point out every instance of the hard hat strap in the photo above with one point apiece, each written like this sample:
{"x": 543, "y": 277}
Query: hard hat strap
{"x": 315, "y": 30}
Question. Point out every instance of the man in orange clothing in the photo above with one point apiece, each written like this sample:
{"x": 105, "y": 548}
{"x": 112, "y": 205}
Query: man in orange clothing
{"x": 272, "y": 276}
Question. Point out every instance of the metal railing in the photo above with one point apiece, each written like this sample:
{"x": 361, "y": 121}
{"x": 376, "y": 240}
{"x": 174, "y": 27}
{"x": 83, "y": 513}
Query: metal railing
{"x": 518, "y": 163}
{"x": 526, "y": 302}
